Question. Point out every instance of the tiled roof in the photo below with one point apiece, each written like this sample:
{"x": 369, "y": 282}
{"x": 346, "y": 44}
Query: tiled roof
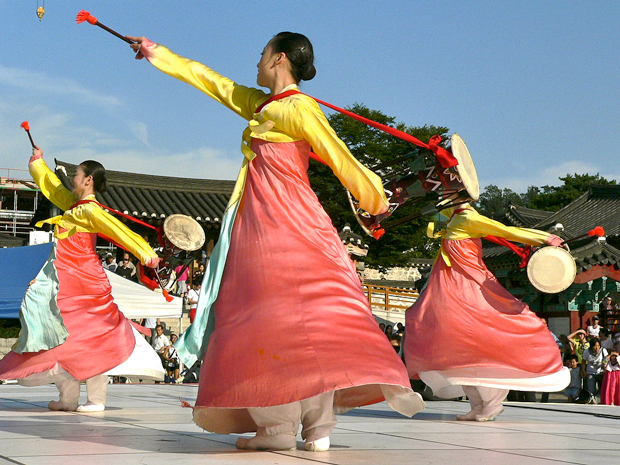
{"x": 156, "y": 197}
{"x": 523, "y": 217}
{"x": 599, "y": 206}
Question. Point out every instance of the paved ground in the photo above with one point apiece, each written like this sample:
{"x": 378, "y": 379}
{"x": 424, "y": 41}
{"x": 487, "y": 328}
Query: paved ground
{"x": 144, "y": 424}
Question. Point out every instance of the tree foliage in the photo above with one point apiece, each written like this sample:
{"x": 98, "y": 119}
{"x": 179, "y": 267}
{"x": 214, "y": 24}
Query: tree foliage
{"x": 495, "y": 201}
{"x": 372, "y": 147}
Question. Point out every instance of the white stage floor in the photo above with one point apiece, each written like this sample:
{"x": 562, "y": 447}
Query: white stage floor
{"x": 145, "y": 424}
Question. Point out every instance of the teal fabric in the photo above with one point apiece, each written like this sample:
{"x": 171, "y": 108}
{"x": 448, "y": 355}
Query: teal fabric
{"x": 192, "y": 345}
{"x": 42, "y": 324}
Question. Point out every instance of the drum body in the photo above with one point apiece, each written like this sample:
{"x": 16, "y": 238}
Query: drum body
{"x": 437, "y": 187}
{"x": 551, "y": 269}
{"x": 178, "y": 235}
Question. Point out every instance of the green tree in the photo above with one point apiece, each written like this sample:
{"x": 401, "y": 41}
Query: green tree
{"x": 495, "y": 201}
{"x": 552, "y": 198}
{"x": 373, "y": 147}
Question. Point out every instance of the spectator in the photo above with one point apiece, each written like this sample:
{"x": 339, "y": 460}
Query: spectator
{"x": 395, "y": 341}
{"x": 573, "y": 389}
{"x": 382, "y": 327}
{"x": 606, "y": 342}
{"x": 160, "y": 341}
{"x": 127, "y": 269}
{"x": 192, "y": 300}
{"x": 567, "y": 347}
{"x": 150, "y": 323}
{"x": 579, "y": 342}
{"x": 610, "y": 390}
{"x": 592, "y": 368}
{"x": 606, "y": 310}
{"x": 389, "y": 329}
{"x": 182, "y": 273}
{"x": 171, "y": 361}
{"x": 109, "y": 263}
{"x": 594, "y": 329}
{"x": 199, "y": 274}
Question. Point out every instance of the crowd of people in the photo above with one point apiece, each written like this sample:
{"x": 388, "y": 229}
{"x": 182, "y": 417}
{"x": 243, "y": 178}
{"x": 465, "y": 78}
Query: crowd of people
{"x": 161, "y": 343}
{"x": 591, "y": 354}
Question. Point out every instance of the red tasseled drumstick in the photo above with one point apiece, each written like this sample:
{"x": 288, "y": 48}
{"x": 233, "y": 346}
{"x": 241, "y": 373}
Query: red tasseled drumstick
{"x": 598, "y": 231}
{"x": 26, "y": 127}
{"x": 86, "y": 16}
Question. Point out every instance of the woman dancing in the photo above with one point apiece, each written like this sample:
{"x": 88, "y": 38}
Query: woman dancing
{"x": 280, "y": 280}
{"x": 68, "y": 315}
{"x": 466, "y": 333}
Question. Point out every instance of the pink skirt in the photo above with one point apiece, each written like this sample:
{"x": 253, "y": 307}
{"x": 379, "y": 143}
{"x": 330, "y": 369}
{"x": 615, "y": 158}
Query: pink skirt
{"x": 610, "y": 389}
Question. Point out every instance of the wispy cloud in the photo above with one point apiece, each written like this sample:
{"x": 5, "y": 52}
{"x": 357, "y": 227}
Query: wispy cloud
{"x": 42, "y": 83}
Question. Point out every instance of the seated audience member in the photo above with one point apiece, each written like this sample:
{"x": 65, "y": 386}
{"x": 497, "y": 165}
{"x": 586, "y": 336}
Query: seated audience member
{"x": 592, "y": 367}
{"x": 594, "y": 329}
{"x": 573, "y": 389}
{"x": 389, "y": 329}
{"x": 610, "y": 390}
{"x": 172, "y": 362}
{"x": 127, "y": 269}
{"x": 198, "y": 274}
{"x": 160, "y": 342}
{"x": 150, "y": 323}
{"x": 382, "y": 327}
{"x": 109, "y": 263}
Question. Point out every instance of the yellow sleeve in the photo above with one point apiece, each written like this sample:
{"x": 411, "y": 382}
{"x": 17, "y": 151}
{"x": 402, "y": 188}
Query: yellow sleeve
{"x": 50, "y": 185}
{"x": 240, "y": 99}
{"x": 305, "y": 120}
{"x": 104, "y": 223}
{"x": 478, "y": 226}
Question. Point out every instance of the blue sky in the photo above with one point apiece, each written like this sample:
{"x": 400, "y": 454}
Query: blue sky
{"x": 531, "y": 86}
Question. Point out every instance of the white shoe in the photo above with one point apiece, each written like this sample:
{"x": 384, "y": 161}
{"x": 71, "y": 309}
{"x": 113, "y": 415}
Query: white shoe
{"x": 276, "y": 442}
{"x": 90, "y": 407}
{"x": 320, "y": 445}
{"x": 58, "y": 406}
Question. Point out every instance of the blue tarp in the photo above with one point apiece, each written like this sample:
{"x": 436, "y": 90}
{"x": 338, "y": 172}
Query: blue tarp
{"x": 19, "y": 266}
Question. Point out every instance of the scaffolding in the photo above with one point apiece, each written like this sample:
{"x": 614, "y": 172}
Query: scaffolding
{"x": 19, "y": 198}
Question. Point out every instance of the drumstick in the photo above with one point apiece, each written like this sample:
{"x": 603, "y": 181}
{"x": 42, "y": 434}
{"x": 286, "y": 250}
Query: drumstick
{"x": 26, "y": 127}
{"x": 598, "y": 231}
{"x": 86, "y": 16}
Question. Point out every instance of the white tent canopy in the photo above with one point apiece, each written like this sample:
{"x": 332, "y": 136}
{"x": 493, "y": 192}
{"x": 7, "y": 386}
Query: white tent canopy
{"x": 137, "y": 302}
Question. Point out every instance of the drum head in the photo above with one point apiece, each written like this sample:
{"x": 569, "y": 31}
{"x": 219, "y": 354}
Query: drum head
{"x": 551, "y": 269}
{"x": 466, "y": 168}
{"x": 184, "y": 232}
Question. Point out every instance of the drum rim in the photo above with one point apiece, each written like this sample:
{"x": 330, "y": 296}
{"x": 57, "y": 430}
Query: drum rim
{"x": 469, "y": 176}
{"x": 541, "y": 253}
{"x": 190, "y": 220}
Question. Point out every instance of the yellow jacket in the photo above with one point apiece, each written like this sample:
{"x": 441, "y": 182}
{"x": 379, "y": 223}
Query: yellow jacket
{"x": 469, "y": 224}
{"x": 294, "y": 118}
{"x": 88, "y": 217}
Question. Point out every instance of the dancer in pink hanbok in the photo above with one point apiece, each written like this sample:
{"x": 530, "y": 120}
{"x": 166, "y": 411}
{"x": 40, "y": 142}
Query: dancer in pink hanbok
{"x": 286, "y": 332}
{"x": 68, "y": 316}
{"x": 467, "y": 334}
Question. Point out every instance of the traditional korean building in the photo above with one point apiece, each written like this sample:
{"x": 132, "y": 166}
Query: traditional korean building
{"x": 152, "y": 199}
{"x": 597, "y": 260}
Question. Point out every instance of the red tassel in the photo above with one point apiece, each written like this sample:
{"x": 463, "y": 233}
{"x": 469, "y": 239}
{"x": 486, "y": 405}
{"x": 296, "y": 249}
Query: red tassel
{"x": 25, "y": 126}
{"x": 167, "y": 296}
{"x": 185, "y": 404}
{"x": 378, "y": 233}
{"x": 85, "y": 16}
{"x": 598, "y": 231}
